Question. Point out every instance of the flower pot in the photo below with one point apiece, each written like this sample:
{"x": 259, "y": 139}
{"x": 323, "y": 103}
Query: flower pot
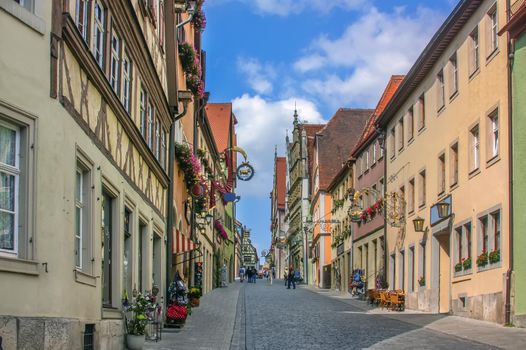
{"x": 194, "y": 302}
{"x": 135, "y": 342}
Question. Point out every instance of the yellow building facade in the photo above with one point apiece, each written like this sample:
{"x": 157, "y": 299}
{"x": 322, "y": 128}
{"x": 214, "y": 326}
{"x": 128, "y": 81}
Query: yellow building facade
{"x": 447, "y": 146}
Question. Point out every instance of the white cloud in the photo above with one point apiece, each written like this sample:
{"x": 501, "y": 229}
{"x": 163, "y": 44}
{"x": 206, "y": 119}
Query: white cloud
{"x": 262, "y": 125}
{"x": 294, "y": 7}
{"x": 258, "y": 76}
{"x": 377, "y": 45}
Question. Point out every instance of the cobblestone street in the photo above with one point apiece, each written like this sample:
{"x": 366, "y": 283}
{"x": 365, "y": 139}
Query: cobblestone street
{"x": 263, "y": 316}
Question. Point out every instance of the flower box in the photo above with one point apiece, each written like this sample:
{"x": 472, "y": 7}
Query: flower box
{"x": 466, "y": 264}
{"x": 494, "y": 256}
{"x": 458, "y": 267}
{"x": 482, "y": 259}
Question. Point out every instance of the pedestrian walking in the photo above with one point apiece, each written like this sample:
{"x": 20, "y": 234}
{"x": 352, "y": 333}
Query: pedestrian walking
{"x": 254, "y": 275}
{"x": 269, "y": 278}
{"x": 286, "y": 278}
{"x": 273, "y": 272}
{"x": 241, "y": 274}
{"x": 291, "y": 278}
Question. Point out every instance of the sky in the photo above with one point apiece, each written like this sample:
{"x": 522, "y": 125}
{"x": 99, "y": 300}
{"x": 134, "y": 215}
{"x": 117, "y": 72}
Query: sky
{"x": 266, "y": 56}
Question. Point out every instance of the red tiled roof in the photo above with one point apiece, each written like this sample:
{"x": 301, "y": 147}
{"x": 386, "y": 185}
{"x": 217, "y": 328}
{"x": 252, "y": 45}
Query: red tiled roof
{"x": 370, "y": 128}
{"x": 281, "y": 168}
{"x": 337, "y": 139}
{"x": 219, "y": 116}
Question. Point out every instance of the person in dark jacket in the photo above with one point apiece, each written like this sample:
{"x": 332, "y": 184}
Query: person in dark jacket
{"x": 291, "y": 278}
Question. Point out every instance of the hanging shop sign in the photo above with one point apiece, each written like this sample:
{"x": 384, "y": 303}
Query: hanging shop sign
{"x": 198, "y": 190}
{"x": 245, "y": 171}
{"x": 229, "y": 197}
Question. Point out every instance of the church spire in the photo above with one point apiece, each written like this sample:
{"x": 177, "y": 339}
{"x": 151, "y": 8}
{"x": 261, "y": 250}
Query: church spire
{"x": 295, "y": 114}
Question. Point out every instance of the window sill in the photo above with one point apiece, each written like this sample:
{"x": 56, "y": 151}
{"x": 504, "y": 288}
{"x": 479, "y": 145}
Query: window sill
{"x": 410, "y": 141}
{"x": 492, "y": 55}
{"x": 400, "y": 150}
{"x": 453, "y": 186}
{"x": 410, "y": 213}
{"x": 30, "y": 19}
{"x": 421, "y": 130}
{"x": 474, "y": 74}
{"x": 461, "y": 274}
{"x": 473, "y": 173}
{"x": 492, "y": 161}
{"x": 21, "y": 266}
{"x": 441, "y": 109}
{"x": 453, "y": 96}
{"x": 111, "y": 313}
{"x": 421, "y": 207}
{"x": 441, "y": 195}
{"x": 84, "y": 278}
{"x": 490, "y": 266}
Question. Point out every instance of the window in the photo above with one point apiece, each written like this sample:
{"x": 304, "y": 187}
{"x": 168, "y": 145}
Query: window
{"x": 495, "y": 218}
{"x": 381, "y": 146}
{"x": 107, "y": 251}
{"x": 81, "y": 17}
{"x": 401, "y": 270}
{"x": 402, "y": 195}
{"x": 422, "y": 189}
{"x": 453, "y": 159}
{"x": 492, "y": 30}
{"x": 440, "y": 90}
{"x": 366, "y": 160}
{"x": 163, "y": 149}
{"x": 473, "y": 47}
{"x": 458, "y": 239}
{"x": 410, "y": 124}
{"x": 115, "y": 60}
{"x": 422, "y": 258}
{"x": 401, "y": 134}
{"x": 467, "y": 232}
{"x": 156, "y": 260}
{"x": 27, "y": 4}
{"x": 373, "y": 151}
{"x": 126, "y": 81}
{"x": 453, "y": 79}
{"x": 9, "y": 187}
{"x": 150, "y": 124}
{"x": 393, "y": 142}
{"x": 474, "y": 149}
{"x": 411, "y": 196}
{"x": 411, "y": 282}
{"x": 421, "y": 112}
{"x": 158, "y": 139}
{"x": 161, "y": 25}
{"x": 142, "y": 113}
{"x": 493, "y": 137}
{"x": 98, "y": 34}
{"x": 142, "y": 239}
{"x": 82, "y": 247}
{"x": 127, "y": 272}
{"x": 483, "y": 226}
{"x": 441, "y": 174}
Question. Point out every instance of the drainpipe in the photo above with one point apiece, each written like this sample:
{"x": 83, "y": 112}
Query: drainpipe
{"x": 507, "y": 305}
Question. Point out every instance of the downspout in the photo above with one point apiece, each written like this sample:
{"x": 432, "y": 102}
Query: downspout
{"x": 507, "y": 306}
{"x": 385, "y": 211}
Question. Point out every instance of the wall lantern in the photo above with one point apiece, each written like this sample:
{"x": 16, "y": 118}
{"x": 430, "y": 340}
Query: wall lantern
{"x": 418, "y": 222}
{"x": 443, "y": 209}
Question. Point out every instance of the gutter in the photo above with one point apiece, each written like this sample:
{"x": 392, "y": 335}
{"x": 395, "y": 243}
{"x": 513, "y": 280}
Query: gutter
{"x": 507, "y": 305}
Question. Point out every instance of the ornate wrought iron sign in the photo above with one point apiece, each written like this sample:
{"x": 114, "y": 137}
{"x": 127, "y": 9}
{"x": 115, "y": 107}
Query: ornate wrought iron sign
{"x": 245, "y": 171}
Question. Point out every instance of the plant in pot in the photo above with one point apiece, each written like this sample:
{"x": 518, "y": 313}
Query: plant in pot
{"x": 136, "y": 322}
{"x": 422, "y": 281}
{"x": 194, "y": 294}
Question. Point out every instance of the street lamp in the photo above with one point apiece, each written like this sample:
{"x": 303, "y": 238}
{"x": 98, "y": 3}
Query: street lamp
{"x": 443, "y": 209}
{"x": 418, "y": 222}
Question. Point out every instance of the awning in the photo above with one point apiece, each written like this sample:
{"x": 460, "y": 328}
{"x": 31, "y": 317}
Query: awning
{"x": 182, "y": 244}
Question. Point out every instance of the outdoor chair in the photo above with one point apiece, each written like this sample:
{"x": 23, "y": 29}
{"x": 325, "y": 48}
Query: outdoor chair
{"x": 384, "y": 300}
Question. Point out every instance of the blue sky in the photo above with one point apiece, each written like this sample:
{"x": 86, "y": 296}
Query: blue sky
{"x": 266, "y": 55}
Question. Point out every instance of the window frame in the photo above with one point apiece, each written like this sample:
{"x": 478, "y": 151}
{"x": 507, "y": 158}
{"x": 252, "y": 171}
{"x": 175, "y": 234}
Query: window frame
{"x": 453, "y": 164}
{"x": 453, "y": 66}
{"x": 15, "y": 171}
{"x": 127, "y": 81}
{"x": 115, "y": 61}
{"x": 474, "y": 148}
{"x": 474, "y": 51}
{"x": 83, "y": 28}
{"x": 492, "y": 23}
{"x": 441, "y": 176}
{"x": 441, "y": 93}
{"x": 493, "y": 135}
{"x": 422, "y": 188}
{"x": 99, "y": 34}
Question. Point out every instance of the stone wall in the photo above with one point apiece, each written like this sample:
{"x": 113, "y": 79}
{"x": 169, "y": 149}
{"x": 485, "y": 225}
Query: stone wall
{"x": 487, "y": 307}
{"x": 25, "y": 333}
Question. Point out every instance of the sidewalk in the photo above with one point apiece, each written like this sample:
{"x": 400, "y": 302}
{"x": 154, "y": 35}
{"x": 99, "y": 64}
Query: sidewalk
{"x": 484, "y": 332}
{"x": 211, "y": 325}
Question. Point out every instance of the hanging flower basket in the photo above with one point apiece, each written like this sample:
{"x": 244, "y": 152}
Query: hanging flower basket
{"x": 192, "y": 68}
{"x": 199, "y": 19}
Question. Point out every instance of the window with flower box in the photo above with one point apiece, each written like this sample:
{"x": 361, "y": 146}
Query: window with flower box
{"x": 489, "y": 238}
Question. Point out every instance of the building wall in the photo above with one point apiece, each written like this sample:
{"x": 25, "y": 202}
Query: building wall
{"x": 477, "y": 292}
{"x": 519, "y": 187}
{"x": 45, "y": 295}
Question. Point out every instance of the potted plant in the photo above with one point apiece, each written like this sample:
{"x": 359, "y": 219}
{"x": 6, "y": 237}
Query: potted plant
{"x": 458, "y": 267}
{"x": 136, "y": 323}
{"x": 482, "y": 259}
{"x": 194, "y": 294}
{"x": 494, "y": 256}
{"x": 466, "y": 264}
